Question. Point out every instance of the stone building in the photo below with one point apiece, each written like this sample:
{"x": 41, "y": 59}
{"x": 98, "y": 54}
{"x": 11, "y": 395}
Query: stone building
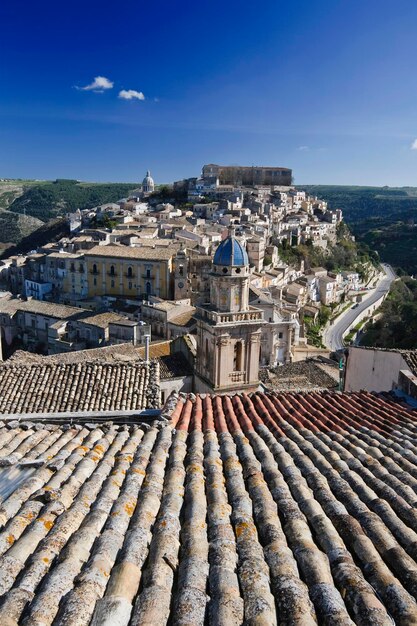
{"x": 228, "y": 329}
{"x": 237, "y": 175}
{"x": 127, "y": 271}
{"x": 148, "y": 185}
{"x": 182, "y": 286}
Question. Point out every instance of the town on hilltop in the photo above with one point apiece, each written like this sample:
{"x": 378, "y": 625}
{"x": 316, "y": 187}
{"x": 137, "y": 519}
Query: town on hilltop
{"x": 200, "y": 273}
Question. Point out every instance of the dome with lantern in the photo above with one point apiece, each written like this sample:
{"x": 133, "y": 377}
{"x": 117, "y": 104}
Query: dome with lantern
{"x": 148, "y": 184}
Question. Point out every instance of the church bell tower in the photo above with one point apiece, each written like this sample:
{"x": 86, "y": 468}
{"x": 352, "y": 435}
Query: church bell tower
{"x": 228, "y": 329}
{"x": 182, "y": 287}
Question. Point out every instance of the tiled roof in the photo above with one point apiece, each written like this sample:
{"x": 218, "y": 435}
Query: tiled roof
{"x": 118, "y": 352}
{"x": 102, "y": 320}
{"x": 271, "y": 509}
{"x": 156, "y": 349}
{"x": 174, "y": 366}
{"x": 128, "y": 252}
{"x": 49, "y": 309}
{"x": 299, "y": 376}
{"x": 184, "y": 319}
{"x": 410, "y": 357}
{"x": 95, "y": 386}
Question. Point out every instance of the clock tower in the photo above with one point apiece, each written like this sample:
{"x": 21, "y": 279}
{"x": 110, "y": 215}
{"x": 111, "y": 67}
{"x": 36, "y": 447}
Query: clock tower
{"x": 182, "y": 287}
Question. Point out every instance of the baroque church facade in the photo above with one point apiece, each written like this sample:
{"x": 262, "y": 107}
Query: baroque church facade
{"x": 228, "y": 328}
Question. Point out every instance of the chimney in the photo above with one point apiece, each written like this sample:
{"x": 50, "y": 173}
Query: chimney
{"x": 147, "y": 341}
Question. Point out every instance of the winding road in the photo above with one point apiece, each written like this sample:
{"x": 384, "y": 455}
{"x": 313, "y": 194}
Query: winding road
{"x": 333, "y": 335}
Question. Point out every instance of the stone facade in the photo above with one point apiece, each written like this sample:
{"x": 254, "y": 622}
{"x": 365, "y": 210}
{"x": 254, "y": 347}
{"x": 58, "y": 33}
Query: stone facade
{"x": 228, "y": 329}
{"x": 242, "y": 175}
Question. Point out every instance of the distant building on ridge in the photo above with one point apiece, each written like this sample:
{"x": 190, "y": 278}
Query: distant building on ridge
{"x": 237, "y": 175}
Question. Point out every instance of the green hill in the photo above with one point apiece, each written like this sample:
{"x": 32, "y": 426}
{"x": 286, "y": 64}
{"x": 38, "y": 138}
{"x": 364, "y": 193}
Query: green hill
{"x": 53, "y": 199}
{"x": 384, "y": 218}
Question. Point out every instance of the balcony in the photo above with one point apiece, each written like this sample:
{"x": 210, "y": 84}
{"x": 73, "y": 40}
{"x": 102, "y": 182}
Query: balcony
{"x": 146, "y": 277}
{"x": 130, "y": 276}
{"x": 245, "y": 317}
{"x": 94, "y": 272}
{"x": 112, "y": 274}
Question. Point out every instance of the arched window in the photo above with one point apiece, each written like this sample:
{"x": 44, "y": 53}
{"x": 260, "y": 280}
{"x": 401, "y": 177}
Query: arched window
{"x": 94, "y": 268}
{"x": 112, "y": 270}
{"x": 237, "y": 359}
{"x": 129, "y": 272}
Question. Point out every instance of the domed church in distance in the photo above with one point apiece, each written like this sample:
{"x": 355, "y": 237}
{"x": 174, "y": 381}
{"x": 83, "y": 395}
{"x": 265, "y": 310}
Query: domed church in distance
{"x": 148, "y": 184}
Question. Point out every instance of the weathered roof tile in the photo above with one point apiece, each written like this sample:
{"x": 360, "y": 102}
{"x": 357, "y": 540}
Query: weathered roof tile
{"x": 297, "y": 508}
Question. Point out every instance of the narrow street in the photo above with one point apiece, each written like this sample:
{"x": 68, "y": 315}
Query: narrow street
{"x": 333, "y": 336}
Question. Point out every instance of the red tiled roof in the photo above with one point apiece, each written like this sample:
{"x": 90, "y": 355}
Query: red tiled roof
{"x": 297, "y": 508}
{"x": 322, "y": 488}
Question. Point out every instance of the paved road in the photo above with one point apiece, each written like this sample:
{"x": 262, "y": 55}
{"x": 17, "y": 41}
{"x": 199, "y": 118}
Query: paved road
{"x": 333, "y": 336}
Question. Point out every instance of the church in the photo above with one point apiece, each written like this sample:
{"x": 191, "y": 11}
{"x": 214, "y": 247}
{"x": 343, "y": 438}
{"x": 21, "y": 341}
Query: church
{"x": 228, "y": 328}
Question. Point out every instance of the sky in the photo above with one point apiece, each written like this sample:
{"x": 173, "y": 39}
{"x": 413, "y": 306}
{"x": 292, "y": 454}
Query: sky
{"x": 103, "y": 91}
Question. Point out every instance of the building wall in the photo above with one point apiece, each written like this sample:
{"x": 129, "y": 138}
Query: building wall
{"x": 373, "y": 370}
{"x": 241, "y": 175}
{"x": 183, "y": 384}
{"x": 128, "y": 277}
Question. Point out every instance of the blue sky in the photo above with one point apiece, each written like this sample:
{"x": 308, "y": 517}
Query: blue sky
{"x": 326, "y": 87}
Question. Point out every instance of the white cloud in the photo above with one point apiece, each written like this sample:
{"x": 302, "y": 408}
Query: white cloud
{"x": 414, "y": 145}
{"x": 303, "y": 148}
{"x": 131, "y": 94}
{"x": 99, "y": 84}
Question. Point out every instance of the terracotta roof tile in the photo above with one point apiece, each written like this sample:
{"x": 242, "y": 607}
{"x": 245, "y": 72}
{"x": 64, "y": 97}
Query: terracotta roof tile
{"x": 53, "y": 387}
{"x": 292, "y": 508}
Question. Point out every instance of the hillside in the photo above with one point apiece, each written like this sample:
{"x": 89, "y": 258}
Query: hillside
{"x": 52, "y": 231}
{"x": 25, "y": 205}
{"x": 397, "y": 325}
{"x": 383, "y": 218}
{"x": 53, "y": 199}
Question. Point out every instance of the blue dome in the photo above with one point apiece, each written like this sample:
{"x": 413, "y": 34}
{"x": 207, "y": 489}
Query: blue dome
{"x": 231, "y": 252}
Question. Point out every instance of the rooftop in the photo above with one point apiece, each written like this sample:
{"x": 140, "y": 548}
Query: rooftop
{"x": 48, "y": 309}
{"x": 85, "y": 386}
{"x": 289, "y": 509}
{"x": 128, "y": 252}
{"x": 102, "y": 320}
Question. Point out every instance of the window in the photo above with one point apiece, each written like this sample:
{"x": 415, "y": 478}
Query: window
{"x": 181, "y": 270}
{"x": 237, "y": 360}
{"x": 95, "y": 281}
{"x": 130, "y": 285}
{"x": 112, "y": 283}
{"x": 94, "y": 268}
{"x": 129, "y": 272}
{"x": 72, "y": 267}
{"x": 148, "y": 273}
{"x": 112, "y": 270}
{"x": 148, "y": 289}
{"x": 279, "y": 335}
{"x": 81, "y": 267}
